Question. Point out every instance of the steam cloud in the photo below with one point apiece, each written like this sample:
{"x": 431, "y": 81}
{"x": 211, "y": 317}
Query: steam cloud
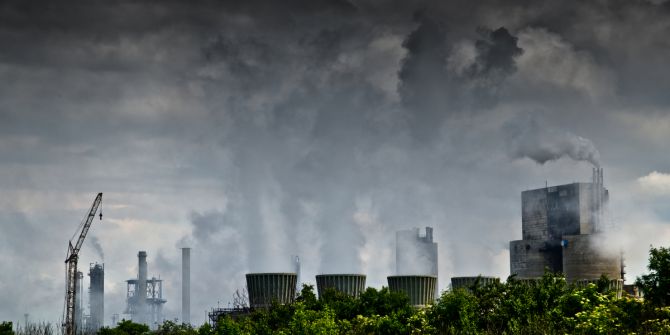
{"x": 317, "y": 131}
{"x": 527, "y": 138}
{"x": 95, "y": 243}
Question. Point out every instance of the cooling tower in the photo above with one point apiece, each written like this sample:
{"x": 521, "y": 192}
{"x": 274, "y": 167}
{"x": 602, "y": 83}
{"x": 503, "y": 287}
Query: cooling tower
{"x": 264, "y": 288}
{"x": 468, "y": 282}
{"x": 419, "y": 289}
{"x": 582, "y": 260}
{"x": 351, "y": 284}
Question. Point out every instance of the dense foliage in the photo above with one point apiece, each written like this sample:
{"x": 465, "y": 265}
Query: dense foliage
{"x": 126, "y": 327}
{"x": 656, "y": 284}
{"x": 6, "y": 328}
{"x": 545, "y": 306}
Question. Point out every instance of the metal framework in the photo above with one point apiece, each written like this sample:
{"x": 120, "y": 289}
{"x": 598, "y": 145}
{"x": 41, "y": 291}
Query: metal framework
{"x": 69, "y": 327}
{"x": 153, "y": 300}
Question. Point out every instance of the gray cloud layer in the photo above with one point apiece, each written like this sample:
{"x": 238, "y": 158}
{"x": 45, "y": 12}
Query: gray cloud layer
{"x": 258, "y": 130}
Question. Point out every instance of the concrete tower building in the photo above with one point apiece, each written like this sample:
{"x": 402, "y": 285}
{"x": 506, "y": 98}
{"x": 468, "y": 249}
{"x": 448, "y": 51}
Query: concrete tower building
{"x": 560, "y": 232}
{"x": 96, "y": 296}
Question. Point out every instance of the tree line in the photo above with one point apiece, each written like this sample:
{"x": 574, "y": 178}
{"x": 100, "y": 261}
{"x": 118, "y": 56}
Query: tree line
{"x": 549, "y": 305}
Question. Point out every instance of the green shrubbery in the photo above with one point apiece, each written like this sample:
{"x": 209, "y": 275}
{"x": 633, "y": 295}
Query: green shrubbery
{"x": 6, "y": 328}
{"x": 545, "y": 306}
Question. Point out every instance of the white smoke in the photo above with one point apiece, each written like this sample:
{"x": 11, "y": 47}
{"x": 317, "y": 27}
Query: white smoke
{"x": 527, "y": 138}
{"x": 95, "y": 243}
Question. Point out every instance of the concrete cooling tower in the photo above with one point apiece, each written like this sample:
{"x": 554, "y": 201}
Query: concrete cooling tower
{"x": 265, "y": 288}
{"x": 419, "y": 289}
{"x": 351, "y": 284}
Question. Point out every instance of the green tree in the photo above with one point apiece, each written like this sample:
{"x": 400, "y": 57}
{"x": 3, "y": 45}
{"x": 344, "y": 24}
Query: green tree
{"x": 125, "y": 327}
{"x": 656, "y": 284}
{"x": 6, "y": 328}
{"x": 172, "y": 328}
{"x": 455, "y": 312}
{"x": 308, "y": 298}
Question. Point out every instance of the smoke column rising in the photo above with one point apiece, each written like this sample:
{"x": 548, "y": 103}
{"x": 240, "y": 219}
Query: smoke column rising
{"x": 527, "y": 138}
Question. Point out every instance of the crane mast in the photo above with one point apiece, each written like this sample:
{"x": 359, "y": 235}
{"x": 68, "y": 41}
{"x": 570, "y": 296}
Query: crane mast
{"x": 71, "y": 268}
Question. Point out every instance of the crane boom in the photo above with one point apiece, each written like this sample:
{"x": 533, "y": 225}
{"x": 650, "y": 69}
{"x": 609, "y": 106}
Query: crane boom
{"x": 71, "y": 268}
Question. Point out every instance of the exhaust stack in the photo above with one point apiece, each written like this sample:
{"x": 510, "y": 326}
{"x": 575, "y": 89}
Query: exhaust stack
{"x": 142, "y": 287}
{"x": 186, "y": 285}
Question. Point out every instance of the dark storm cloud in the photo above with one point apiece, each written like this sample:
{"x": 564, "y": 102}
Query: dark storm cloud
{"x": 255, "y": 130}
{"x": 495, "y": 61}
{"x": 432, "y": 91}
{"x": 425, "y": 84}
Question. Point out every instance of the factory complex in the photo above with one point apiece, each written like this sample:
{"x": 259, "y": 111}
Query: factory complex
{"x": 562, "y": 231}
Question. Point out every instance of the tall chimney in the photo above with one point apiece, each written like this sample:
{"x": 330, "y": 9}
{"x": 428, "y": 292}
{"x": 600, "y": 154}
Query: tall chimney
{"x": 598, "y": 199}
{"x": 186, "y": 285}
{"x": 96, "y": 296}
{"x": 141, "y": 293}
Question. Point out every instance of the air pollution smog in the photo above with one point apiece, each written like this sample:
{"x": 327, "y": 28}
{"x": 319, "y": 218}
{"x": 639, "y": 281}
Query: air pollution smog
{"x": 247, "y": 150}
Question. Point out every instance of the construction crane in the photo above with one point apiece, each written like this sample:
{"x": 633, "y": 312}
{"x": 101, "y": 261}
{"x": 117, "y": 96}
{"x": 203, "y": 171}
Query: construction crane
{"x": 71, "y": 266}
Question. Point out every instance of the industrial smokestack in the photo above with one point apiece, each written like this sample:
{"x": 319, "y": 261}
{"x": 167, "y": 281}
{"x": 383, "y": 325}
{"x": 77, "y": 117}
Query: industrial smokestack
{"x": 296, "y": 263}
{"x": 96, "y": 296}
{"x": 141, "y": 293}
{"x": 186, "y": 285}
{"x": 598, "y": 199}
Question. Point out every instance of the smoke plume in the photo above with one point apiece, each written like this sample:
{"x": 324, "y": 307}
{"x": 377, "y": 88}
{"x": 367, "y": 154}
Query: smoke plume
{"x": 95, "y": 243}
{"x": 527, "y": 138}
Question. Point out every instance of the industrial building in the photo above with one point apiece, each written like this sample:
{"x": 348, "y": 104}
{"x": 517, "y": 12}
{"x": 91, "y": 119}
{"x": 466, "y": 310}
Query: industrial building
{"x": 561, "y": 228}
{"x": 419, "y": 289}
{"x": 351, "y": 284}
{"x": 267, "y": 288}
{"x": 96, "y": 296}
{"x": 144, "y": 297}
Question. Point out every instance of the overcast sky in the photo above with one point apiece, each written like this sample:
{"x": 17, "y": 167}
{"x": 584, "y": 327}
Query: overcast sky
{"x": 258, "y": 130}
